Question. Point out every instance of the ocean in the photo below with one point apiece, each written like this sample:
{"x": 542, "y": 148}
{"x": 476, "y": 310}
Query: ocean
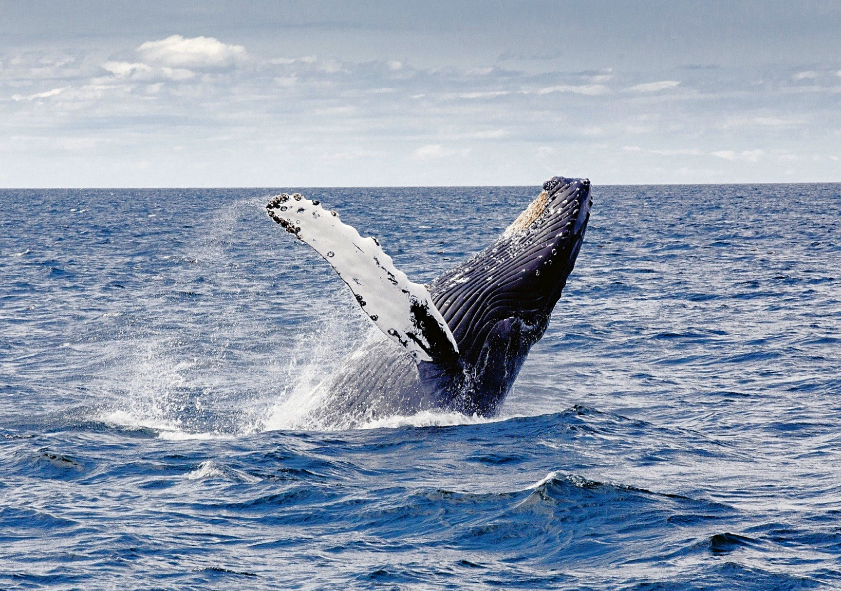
{"x": 678, "y": 426}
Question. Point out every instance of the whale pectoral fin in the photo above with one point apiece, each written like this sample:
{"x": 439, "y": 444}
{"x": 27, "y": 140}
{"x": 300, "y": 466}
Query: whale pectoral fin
{"x": 403, "y": 310}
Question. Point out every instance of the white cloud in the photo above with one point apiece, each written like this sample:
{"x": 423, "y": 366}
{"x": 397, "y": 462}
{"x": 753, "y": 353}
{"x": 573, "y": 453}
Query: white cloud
{"x": 587, "y": 89}
{"x": 178, "y": 73}
{"x": 808, "y": 75}
{"x": 654, "y": 86}
{"x": 128, "y": 70}
{"x": 394, "y": 65}
{"x": 325, "y": 65}
{"x": 660, "y": 152}
{"x": 483, "y": 71}
{"x": 592, "y": 131}
{"x": 329, "y": 66}
{"x": 288, "y": 61}
{"x": 763, "y": 121}
{"x": 195, "y": 52}
{"x": 39, "y": 95}
{"x": 436, "y": 151}
{"x": 777, "y": 121}
{"x": 286, "y": 81}
{"x": 489, "y": 134}
{"x": 487, "y": 94}
{"x": 745, "y": 156}
{"x": 138, "y": 71}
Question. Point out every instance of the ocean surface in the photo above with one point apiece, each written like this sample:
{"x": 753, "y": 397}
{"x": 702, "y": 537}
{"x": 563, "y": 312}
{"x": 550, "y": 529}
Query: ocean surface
{"x": 678, "y": 427}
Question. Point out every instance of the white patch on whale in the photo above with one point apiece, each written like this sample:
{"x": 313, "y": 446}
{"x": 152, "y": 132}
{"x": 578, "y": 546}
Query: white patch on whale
{"x": 400, "y": 308}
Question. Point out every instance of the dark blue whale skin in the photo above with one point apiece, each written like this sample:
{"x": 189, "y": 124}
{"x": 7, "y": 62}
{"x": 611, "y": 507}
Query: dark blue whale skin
{"x": 494, "y": 321}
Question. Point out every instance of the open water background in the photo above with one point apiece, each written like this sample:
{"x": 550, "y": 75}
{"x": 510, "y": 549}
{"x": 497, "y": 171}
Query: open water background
{"x": 678, "y": 427}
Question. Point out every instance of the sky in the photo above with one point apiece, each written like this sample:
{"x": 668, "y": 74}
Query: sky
{"x": 395, "y": 93}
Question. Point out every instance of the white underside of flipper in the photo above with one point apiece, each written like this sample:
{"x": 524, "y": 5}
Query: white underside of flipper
{"x": 403, "y": 310}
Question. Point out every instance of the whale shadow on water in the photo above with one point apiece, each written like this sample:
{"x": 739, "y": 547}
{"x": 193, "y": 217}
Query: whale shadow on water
{"x": 457, "y": 344}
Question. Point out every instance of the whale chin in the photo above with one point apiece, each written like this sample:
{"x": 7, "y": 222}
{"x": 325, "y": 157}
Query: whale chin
{"x": 459, "y": 344}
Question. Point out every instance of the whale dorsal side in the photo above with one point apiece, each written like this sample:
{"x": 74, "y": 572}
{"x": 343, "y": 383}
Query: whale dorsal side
{"x": 401, "y": 309}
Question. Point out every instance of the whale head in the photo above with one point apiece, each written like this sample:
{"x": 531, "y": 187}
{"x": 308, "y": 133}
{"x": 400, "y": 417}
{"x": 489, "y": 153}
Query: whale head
{"x": 544, "y": 242}
{"x": 498, "y": 303}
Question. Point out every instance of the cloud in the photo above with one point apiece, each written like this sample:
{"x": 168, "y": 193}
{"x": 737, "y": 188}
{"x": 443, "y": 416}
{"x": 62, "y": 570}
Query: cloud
{"x": 766, "y": 121}
{"x": 486, "y": 94}
{"x": 288, "y": 61}
{"x": 658, "y": 152}
{"x": 489, "y": 134}
{"x": 320, "y": 64}
{"x": 39, "y": 95}
{"x": 194, "y": 52}
{"x": 587, "y": 89}
{"x": 142, "y": 72}
{"x": 745, "y": 156}
{"x": 808, "y": 75}
{"x": 436, "y": 151}
{"x": 654, "y": 86}
{"x": 127, "y": 69}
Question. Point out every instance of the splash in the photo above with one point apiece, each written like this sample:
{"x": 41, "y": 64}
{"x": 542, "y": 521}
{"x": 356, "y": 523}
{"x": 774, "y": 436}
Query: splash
{"x": 205, "y": 352}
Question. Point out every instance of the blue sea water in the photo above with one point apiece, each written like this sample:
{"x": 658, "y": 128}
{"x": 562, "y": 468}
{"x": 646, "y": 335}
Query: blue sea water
{"x": 678, "y": 427}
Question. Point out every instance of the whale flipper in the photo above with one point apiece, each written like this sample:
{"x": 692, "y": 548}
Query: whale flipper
{"x": 403, "y": 310}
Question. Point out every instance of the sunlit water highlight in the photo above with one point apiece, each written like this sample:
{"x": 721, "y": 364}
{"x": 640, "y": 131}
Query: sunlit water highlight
{"x": 677, "y": 427}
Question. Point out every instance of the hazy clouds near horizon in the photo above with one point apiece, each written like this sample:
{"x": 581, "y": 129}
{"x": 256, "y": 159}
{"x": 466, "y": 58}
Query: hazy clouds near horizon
{"x": 433, "y": 93}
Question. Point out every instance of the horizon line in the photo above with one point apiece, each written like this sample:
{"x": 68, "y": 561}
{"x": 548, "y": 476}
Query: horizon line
{"x": 466, "y": 186}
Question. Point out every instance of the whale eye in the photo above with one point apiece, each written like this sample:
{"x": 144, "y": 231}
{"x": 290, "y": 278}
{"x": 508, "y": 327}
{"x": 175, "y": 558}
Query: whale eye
{"x": 331, "y": 254}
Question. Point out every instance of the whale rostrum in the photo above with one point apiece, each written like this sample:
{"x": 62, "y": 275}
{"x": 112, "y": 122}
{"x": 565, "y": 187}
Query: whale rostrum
{"x": 458, "y": 344}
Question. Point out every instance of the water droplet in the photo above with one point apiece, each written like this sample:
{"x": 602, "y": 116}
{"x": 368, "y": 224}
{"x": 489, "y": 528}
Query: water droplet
{"x": 537, "y": 272}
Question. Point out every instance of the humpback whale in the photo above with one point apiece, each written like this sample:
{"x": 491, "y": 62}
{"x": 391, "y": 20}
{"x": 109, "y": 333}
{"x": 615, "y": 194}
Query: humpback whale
{"x": 458, "y": 343}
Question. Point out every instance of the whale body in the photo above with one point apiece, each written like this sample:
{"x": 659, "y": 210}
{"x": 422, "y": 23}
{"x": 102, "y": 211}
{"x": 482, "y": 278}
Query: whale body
{"x": 458, "y": 344}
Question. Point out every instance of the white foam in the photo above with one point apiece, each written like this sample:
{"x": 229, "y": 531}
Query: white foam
{"x": 205, "y": 470}
{"x": 428, "y": 418}
{"x": 315, "y": 357}
{"x": 211, "y": 470}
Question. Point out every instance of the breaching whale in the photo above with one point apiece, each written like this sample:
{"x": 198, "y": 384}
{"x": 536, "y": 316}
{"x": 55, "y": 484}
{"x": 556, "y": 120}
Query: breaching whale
{"x": 457, "y": 344}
